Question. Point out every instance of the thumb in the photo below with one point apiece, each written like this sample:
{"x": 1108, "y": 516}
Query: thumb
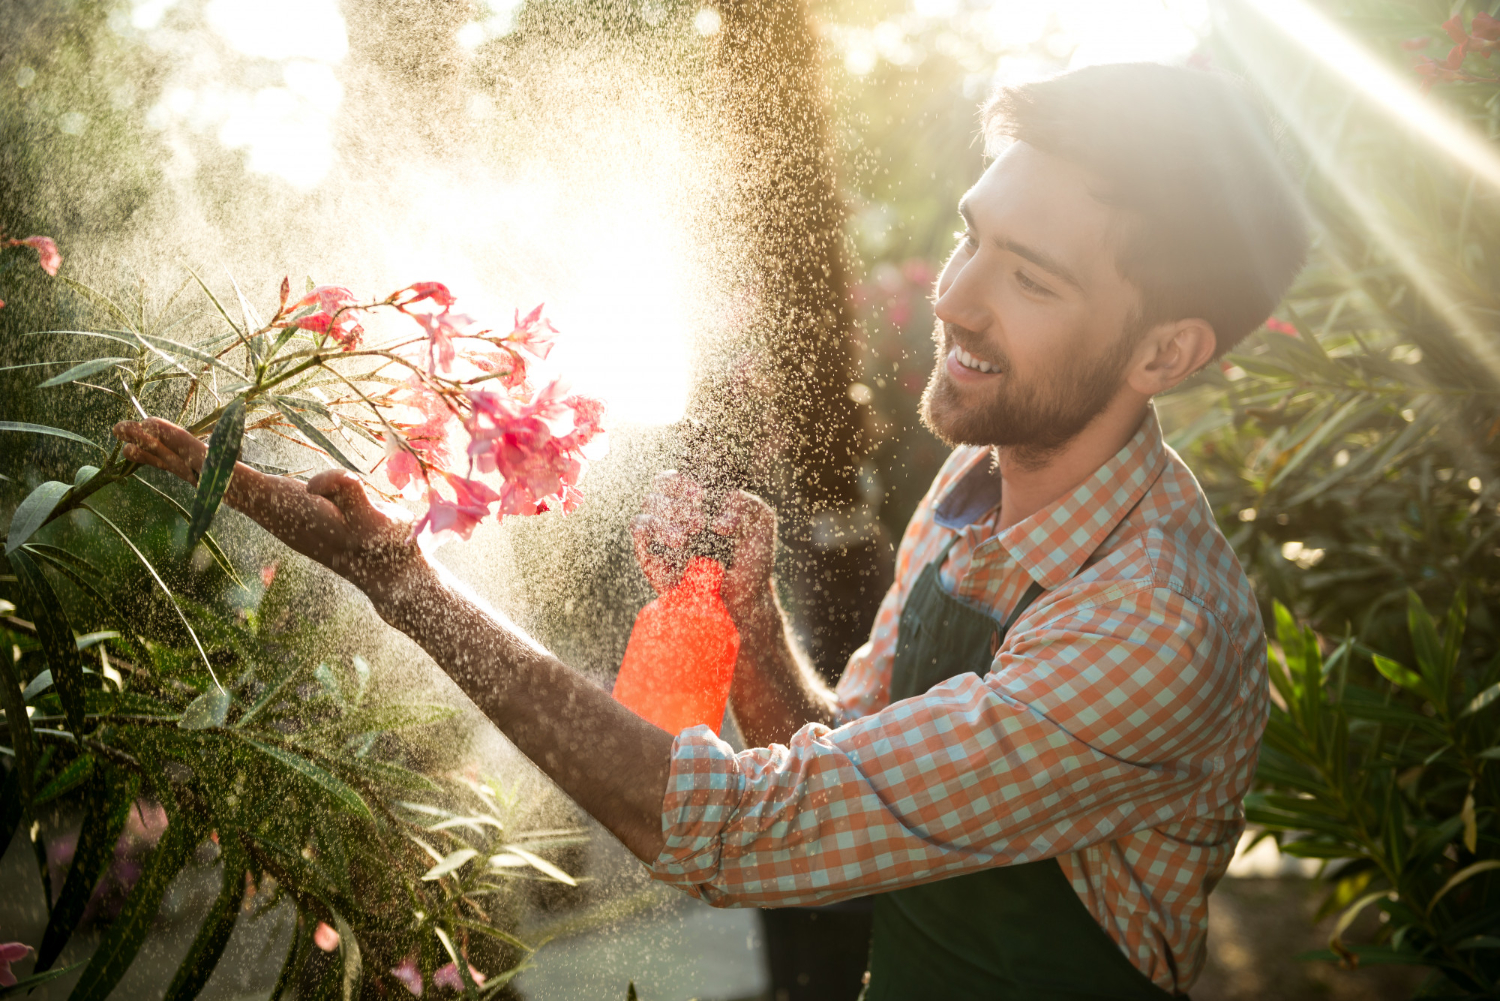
{"x": 347, "y": 493}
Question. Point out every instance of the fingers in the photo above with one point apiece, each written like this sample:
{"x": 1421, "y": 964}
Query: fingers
{"x": 142, "y": 444}
{"x": 675, "y": 503}
{"x": 662, "y": 572}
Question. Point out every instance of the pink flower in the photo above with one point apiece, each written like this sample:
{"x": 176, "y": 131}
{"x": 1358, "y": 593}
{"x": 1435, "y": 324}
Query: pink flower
{"x": 436, "y": 291}
{"x": 459, "y": 516}
{"x": 447, "y": 976}
{"x": 268, "y": 574}
{"x": 430, "y": 437}
{"x": 14, "y": 952}
{"x": 441, "y": 327}
{"x": 46, "y": 250}
{"x": 335, "y": 315}
{"x": 325, "y": 937}
{"x": 1454, "y": 26}
{"x": 533, "y": 333}
{"x": 1415, "y": 44}
{"x": 409, "y": 975}
{"x": 1486, "y": 27}
{"x": 1281, "y": 327}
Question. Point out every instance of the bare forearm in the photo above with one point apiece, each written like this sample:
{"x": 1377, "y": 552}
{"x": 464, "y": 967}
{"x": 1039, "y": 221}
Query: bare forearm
{"x": 775, "y": 692}
{"x": 610, "y": 761}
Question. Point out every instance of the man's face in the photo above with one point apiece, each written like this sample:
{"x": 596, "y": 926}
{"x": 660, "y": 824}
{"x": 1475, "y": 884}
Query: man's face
{"x": 1034, "y": 323}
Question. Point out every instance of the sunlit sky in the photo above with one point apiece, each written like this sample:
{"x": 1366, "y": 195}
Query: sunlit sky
{"x": 622, "y": 298}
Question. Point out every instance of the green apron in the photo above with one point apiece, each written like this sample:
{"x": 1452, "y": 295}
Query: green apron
{"x": 1007, "y": 933}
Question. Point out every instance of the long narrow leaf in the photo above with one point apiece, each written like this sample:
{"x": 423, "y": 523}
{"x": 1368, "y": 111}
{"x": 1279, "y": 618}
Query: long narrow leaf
{"x": 44, "y": 429}
{"x": 337, "y": 787}
{"x": 32, "y": 512}
{"x": 159, "y": 583}
{"x": 102, "y": 334}
{"x": 129, "y": 930}
{"x": 27, "y": 984}
{"x": 22, "y": 742}
{"x": 70, "y": 778}
{"x": 213, "y": 935}
{"x": 108, "y": 809}
{"x": 82, "y": 371}
{"x": 209, "y": 542}
{"x": 56, "y": 635}
{"x": 69, "y": 565}
{"x": 1464, "y": 874}
{"x": 175, "y": 351}
{"x": 318, "y": 438}
{"x": 218, "y": 467}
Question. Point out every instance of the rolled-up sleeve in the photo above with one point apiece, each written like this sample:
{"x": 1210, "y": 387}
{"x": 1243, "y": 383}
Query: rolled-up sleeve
{"x": 1104, "y": 717}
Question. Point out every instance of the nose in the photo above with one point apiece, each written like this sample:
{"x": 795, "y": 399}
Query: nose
{"x": 958, "y": 301}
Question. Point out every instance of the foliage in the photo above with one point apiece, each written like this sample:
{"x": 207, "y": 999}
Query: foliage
{"x": 1351, "y": 448}
{"x": 220, "y": 723}
{"x": 1396, "y": 786}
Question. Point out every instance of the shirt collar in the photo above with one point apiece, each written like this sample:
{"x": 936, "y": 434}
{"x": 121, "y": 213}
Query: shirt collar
{"x": 1054, "y": 543}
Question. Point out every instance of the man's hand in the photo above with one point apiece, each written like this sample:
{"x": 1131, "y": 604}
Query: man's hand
{"x": 673, "y": 513}
{"x": 774, "y": 692}
{"x": 330, "y": 519}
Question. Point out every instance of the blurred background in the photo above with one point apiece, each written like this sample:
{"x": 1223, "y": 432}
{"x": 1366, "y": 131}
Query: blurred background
{"x": 735, "y": 211}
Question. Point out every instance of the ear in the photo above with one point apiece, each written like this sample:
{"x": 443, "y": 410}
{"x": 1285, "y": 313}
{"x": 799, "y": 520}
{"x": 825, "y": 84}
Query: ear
{"x": 1169, "y": 353}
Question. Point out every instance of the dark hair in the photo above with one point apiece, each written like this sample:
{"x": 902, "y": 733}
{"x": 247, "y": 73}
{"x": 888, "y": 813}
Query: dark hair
{"x": 1216, "y": 230}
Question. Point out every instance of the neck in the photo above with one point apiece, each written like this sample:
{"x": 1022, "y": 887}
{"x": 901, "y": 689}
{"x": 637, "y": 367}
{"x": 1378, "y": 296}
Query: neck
{"x": 1031, "y": 485}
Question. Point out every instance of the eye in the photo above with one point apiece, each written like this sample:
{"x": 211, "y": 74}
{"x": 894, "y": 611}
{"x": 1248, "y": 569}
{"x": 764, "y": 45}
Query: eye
{"x": 1031, "y": 286}
{"x": 965, "y": 238}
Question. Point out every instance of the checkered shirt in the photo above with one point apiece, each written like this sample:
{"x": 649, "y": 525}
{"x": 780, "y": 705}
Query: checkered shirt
{"x": 1116, "y": 731}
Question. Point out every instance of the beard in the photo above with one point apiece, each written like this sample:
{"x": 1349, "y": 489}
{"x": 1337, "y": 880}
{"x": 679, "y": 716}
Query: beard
{"x": 1031, "y": 419}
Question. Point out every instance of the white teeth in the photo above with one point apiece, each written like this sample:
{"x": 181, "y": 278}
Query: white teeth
{"x": 969, "y": 361}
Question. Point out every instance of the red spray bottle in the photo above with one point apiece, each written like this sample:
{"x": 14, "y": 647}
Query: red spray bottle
{"x": 679, "y": 663}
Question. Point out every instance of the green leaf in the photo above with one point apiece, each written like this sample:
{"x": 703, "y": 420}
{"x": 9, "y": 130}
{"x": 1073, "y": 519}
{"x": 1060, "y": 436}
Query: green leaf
{"x": 213, "y": 935}
{"x": 159, "y": 583}
{"x": 542, "y": 865}
{"x": 209, "y": 542}
{"x": 130, "y": 928}
{"x": 22, "y": 742}
{"x": 70, "y": 778}
{"x": 68, "y": 565}
{"x": 26, "y": 984}
{"x": 43, "y": 429}
{"x": 1399, "y": 675}
{"x": 56, "y": 636}
{"x": 1424, "y": 637}
{"x": 1466, "y": 873}
{"x": 32, "y": 512}
{"x": 207, "y": 710}
{"x": 82, "y": 371}
{"x": 353, "y": 964}
{"x": 362, "y": 678}
{"x": 337, "y": 787}
{"x": 385, "y": 773}
{"x": 1336, "y": 940}
{"x": 318, "y": 438}
{"x": 104, "y": 335}
{"x": 451, "y": 863}
{"x": 167, "y": 348}
{"x": 393, "y": 717}
{"x": 330, "y": 682}
{"x": 108, "y": 809}
{"x": 1483, "y": 699}
{"x": 218, "y": 467}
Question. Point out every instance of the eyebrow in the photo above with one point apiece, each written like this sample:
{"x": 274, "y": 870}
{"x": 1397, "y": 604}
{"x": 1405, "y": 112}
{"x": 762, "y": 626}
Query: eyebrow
{"x": 1041, "y": 259}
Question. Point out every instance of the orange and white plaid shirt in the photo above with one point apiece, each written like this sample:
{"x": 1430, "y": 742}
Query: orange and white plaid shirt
{"x": 1117, "y": 730}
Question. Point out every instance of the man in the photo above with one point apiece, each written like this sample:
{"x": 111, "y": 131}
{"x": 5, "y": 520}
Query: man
{"x": 1039, "y": 757}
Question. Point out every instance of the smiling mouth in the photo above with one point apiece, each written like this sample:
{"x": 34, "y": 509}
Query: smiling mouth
{"x": 973, "y": 364}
